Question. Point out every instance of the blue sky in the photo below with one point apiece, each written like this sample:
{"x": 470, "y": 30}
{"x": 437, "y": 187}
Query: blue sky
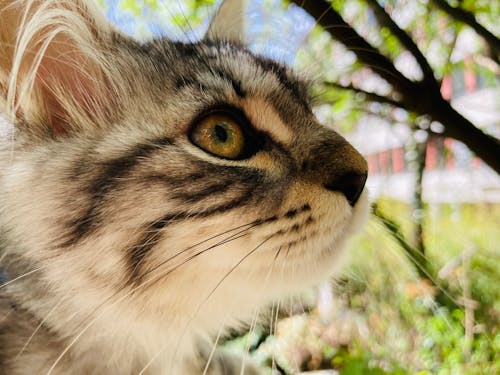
{"x": 273, "y": 30}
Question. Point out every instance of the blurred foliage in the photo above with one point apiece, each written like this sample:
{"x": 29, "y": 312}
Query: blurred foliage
{"x": 148, "y": 18}
{"x": 437, "y": 333}
{"x": 136, "y": 8}
{"x": 386, "y": 319}
{"x": 322, "y": 59}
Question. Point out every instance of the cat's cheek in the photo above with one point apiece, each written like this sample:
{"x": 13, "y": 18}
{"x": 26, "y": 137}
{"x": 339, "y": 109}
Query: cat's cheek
{"x": 324, "y": 254}
{"x": 356, "y": 223}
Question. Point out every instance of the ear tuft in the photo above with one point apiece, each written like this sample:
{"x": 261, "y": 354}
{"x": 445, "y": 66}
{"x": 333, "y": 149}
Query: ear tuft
{"x": 54, "y": 75}
{"x": 228, "y": 23}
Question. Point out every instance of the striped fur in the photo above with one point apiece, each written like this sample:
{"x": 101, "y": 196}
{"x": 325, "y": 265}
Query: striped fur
{"x": 125, "y": 246}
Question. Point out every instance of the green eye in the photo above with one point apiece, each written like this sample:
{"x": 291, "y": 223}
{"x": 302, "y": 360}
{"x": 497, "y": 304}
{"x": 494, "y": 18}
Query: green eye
{"x": 219, "y": 135}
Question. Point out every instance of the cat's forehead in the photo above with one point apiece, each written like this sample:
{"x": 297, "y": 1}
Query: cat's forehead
{"x": 210, "y": 64}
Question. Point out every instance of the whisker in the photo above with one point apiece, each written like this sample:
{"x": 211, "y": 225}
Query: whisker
{"x": 274, "y": 322}
{"x": 187, "y": 23}
{"x": 40, "y": 325}
{"x": 103, "y": 304}
{"x": 6, "y": 315}
{"x": 246, "y": 351}
{"x": 254, "y": 320}
{"x": 195, "y": 313}
{"x": 212, "y": 352}
{"x": 3, "y": 256}
{"x": 272, "y": 266}
{"x": 249, "y": 225}
{"x": 169, "y": 271}
{"x": 22, "y": 276}
{"x": 404, "y": 260}
{"x": 231, "y": 271}
{"x": 273, "y": 363}
{"x": 322, "y": 15}
{"x": 417, "y": 264}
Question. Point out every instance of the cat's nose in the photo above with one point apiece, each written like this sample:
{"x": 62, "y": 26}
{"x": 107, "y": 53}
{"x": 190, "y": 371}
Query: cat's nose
{"x": 337, "y": 166}
{"x": 347, "y": 171}
{"x": 350, "y": 183}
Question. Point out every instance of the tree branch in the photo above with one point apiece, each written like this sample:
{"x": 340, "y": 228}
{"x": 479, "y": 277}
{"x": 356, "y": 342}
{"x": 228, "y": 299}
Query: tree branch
{"x": 385, "y": 20}
{"x": 457, "y": 126}
{"x": 468, "y": 18}
{"x": 340, "y": 30}
{"x": 421, "y": 98}
{"x": 370, "y": 96}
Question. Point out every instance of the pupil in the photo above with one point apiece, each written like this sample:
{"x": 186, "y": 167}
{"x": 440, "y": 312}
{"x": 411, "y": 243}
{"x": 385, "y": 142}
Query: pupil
{"x": 221, "y": 133}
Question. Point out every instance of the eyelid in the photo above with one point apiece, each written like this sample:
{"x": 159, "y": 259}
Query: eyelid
{"x": 254, "y": 140}
{"x": 236, "y": 114}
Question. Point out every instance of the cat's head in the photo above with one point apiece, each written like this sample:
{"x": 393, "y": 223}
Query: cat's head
{"x": 164, "y": 170}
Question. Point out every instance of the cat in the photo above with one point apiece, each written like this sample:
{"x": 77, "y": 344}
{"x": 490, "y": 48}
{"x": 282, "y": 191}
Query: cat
{"x": 154, "y": 195}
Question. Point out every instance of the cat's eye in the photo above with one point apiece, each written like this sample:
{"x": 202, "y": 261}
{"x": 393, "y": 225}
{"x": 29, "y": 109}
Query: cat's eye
{"x": 220, "y": 135}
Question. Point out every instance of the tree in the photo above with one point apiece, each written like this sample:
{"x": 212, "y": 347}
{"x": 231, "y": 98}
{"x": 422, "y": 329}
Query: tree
{"x": 421, "y": 97}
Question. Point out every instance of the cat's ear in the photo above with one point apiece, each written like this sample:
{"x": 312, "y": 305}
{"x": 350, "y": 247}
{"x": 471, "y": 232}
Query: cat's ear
{"x": 228, "y": 23}
{"x": 54, "y": 76}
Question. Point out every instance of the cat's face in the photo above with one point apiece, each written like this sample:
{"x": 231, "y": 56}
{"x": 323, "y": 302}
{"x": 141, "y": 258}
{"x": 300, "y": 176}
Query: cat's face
{"x": 210, "y": 176}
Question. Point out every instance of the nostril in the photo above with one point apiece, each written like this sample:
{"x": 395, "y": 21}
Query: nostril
{"x": 350, "y": 184}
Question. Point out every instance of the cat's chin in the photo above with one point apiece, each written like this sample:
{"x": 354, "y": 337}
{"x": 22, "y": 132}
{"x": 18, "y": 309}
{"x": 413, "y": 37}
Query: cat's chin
{"x": 338, "y": 249}
{"x": 333, "y": 254}
{"x": 323, "y": 252}
{"x": 360, "y": 214}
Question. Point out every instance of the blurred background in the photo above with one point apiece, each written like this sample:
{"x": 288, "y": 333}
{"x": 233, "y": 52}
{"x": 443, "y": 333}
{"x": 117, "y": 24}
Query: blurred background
{"x": 414, "y": 85}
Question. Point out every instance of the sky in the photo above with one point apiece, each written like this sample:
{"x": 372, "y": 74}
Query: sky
{"x": 273, "y": 31}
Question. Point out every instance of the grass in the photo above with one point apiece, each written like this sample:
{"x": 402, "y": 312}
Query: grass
{"x": 388, "y": 320}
